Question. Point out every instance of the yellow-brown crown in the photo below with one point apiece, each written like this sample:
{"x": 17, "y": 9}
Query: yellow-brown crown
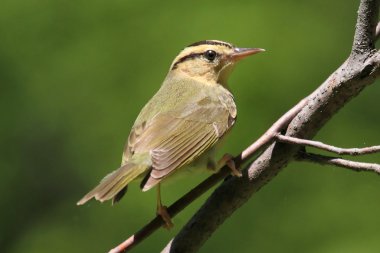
{"x": 210, "y": 60}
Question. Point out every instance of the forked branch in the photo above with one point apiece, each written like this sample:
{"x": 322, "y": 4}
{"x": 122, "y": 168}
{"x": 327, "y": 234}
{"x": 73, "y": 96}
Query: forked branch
{"x": 359, "y": 70}
{"x": 302, "y": 122}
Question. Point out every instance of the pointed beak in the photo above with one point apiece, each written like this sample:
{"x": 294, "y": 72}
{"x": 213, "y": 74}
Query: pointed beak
{"x": 240, "y": 53}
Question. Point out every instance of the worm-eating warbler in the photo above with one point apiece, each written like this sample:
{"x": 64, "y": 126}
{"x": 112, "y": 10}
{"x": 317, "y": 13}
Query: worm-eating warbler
{"x": 181, "y": 124}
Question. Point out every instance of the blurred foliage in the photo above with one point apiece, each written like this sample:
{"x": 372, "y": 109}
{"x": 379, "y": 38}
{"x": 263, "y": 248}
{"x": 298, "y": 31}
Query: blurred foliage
{"x": 74, "y": 75}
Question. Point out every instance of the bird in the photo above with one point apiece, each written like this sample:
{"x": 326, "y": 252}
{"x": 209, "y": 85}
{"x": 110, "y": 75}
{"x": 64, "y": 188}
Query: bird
{"x": 181, "y": 125}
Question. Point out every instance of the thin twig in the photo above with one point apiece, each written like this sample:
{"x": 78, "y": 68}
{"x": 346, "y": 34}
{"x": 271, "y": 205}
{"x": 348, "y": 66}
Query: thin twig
{"x": 377, "y": 32}
{"x": 352, "y": 165}
{"x": 333, "y": 149}
{"x": 273, "y": 131}
{"x": 265, "y": 140}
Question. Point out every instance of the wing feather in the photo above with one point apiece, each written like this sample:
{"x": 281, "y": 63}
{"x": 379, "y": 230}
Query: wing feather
{"x": 170, "y": 149}
{"x": 176, "y": 138}
{"x": 185, "y": 155}
{"x": 173, "y": 159}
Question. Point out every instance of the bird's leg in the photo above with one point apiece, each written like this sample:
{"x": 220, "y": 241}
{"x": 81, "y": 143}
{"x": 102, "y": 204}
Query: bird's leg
{"x": 228, "y": 160}
{"x": 162, "y": 210}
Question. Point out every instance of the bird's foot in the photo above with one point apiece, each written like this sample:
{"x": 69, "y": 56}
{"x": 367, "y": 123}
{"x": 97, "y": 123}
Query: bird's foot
{"x": 228, "y": 160}
{"x": 163, "y": 212}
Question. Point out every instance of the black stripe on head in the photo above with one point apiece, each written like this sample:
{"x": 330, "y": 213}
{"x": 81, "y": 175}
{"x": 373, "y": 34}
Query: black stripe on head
{"x": 211, "y": 42}
{"x": 185, "y": 58}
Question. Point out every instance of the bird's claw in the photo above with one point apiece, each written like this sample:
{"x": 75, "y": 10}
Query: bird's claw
{"x": 228, "y": 160}
{"x": 163, "y": 212}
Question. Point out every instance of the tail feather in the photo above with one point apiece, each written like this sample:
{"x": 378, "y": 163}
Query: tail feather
{"x": 114, "y": 183}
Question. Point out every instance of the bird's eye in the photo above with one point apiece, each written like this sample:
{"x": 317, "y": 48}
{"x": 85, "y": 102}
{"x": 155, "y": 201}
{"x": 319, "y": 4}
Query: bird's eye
{"x": 210, "y": 55}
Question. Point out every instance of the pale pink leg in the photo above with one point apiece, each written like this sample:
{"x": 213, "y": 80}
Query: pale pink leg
{"x": 227, "y": 159}
{"x": 163, "y": 211}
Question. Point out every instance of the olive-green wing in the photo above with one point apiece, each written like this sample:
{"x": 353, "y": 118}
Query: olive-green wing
{"x": 175, "y": 139}
{"x": 194, "y": 139}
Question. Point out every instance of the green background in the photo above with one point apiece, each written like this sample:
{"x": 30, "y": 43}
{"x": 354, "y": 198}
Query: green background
{"x": 74, "y": 75}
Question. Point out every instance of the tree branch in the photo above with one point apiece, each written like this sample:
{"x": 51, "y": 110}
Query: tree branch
{"x": 364, "y": 39}
{"x": 320, "y": 145}
{"x": 360, "y": 70}
{"x": 328, "y": 160}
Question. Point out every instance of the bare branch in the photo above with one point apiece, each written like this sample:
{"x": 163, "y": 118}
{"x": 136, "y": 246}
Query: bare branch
{"x": 365, "y": 33}
{"x": 360, "y": 70}
{"x": 328, "y": 160}
{"x": 200, "y": 189}
{"x": 273, "y": 131}
{"x": 259, "y": 171}
{"x": 333, "y": 149}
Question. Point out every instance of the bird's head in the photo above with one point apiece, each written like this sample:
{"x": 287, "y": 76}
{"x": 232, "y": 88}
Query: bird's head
{"x": 210, "y": 60}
